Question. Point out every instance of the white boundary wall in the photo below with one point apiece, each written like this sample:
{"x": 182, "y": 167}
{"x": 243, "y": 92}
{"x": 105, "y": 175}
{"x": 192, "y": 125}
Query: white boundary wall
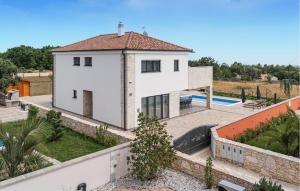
{"x": 95, "y": 169}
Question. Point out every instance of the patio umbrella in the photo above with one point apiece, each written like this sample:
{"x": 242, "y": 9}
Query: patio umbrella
{"x": 243, "y": 95}
{"x": 258, "y": 94}
{"x": 275, "y": 98}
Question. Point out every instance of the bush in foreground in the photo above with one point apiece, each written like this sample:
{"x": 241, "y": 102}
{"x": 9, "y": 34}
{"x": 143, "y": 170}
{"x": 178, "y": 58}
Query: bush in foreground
{"x": 266, "y": 185}
{"x": 32, "y": 112}
{"x": 152, "y": 150}
{"x": 18, "y": 156}
{"x": 208, "y": 173}
{"x": 53, "y": 117}
{"x": 103, "y": 138}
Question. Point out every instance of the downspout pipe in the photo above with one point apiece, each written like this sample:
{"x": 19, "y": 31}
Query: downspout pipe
{"x": 53, "y": 76}
{"x": 124, "y": 89}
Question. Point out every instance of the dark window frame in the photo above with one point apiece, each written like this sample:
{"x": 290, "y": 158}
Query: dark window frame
{"x": 88, "y": 61}
{"x": 150, "y": 66}
{"x": 74, "y": 94}
{"x": 161, "y": 106}
{"x": 76, "y": 61}
{"x": 176, "y": 65}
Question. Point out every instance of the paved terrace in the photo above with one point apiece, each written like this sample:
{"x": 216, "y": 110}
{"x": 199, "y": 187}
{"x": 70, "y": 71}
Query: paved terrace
{"x": 176, "y": 126}
{"x": 218, "y": 114}
{"x": 11, "y": 114}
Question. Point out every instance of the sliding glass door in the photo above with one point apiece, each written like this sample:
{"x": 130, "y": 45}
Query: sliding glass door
{"x": 157, "y": 106}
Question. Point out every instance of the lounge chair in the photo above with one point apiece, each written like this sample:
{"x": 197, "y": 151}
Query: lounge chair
{"x": 255, "y": 105}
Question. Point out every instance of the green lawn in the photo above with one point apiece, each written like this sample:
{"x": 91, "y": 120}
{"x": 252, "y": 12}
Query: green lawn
{"x": 70, "y": 146}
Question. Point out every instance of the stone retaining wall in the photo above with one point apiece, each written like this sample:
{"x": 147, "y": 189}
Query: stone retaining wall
{"x": 265, "y": 162}
{"x": 196, "y": 169}
{"x": 78, "y": 125}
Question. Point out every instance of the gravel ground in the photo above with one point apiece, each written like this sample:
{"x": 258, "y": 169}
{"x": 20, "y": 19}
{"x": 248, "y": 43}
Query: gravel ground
{"x": 170, "y": 180}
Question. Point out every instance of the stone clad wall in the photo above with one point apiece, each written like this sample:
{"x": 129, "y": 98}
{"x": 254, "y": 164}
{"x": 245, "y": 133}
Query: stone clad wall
{"x": 196, "y": 170}
{"x": 200, "y": 76}
{"x": 78, "y": 125}
{"x": 265, "y": 162}
{"x": 273, "y": 165}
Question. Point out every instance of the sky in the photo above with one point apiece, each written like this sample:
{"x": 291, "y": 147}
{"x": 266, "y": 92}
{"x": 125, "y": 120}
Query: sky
{"x": 248, "y": 31}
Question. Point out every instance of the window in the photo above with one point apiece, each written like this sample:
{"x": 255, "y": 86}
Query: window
{"x": 74, "y": 94}
{"x": 150, "y": 66}
{"x": 88, "y": 61}
{"x": 176, "y": 65}
{"x": 156, "y": 106}
{"x": 76, "y": 61}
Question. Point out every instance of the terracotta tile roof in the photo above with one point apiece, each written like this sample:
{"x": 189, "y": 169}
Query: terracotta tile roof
{"x": 128, "y": 41}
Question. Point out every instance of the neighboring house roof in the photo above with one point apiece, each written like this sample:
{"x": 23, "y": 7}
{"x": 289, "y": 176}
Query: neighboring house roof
{"x": 128, "y": 41}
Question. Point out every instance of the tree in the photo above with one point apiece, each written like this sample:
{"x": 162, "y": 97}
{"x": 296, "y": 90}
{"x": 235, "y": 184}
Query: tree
{"x": 287, "y": 85}
{"x": 29, "y": 57}
{"x": 208, "y": 173}
{"x": 22, "y": 56}
{"x": 285, "y": 135}
{"x": 8, "y": 73}
{"x": 151, "y": 149}
{"x": 237, "y": 68}
{"x": 18, "y": 157}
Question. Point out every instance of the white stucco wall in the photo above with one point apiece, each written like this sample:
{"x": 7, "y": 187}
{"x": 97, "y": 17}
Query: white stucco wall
{"x": 95, "y": 170}
{"x": 164, "y": 82}
{"x": 103, "y": 78}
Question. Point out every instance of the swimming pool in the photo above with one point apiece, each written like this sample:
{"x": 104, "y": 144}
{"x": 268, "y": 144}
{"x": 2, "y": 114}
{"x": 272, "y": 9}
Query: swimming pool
{"x": 216, "y": 100}
{"x": 1, "y": 145}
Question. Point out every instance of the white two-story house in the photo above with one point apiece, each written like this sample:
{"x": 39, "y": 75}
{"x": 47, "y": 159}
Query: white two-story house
{"x": 113, "y": 77}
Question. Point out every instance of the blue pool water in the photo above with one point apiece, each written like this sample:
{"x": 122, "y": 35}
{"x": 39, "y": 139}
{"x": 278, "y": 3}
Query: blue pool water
{"x": 215, "y": 100}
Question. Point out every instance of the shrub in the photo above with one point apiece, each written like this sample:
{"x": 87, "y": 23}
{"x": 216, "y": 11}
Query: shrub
{"x": 32, "y": 112}
{"x": 208, "y": 174}
{"x": 102, "y": 137}
{"x": 152, "y": 150}
{"x": 280, "y": 134}
{"x": 53, "y": 118}
{"x": 266, "y": 185}
{"x": 18, "y": 156}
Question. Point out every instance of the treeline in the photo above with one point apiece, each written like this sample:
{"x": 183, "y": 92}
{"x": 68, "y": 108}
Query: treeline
{"x": 239, "y": 71}
{"x": 29, "y": 58}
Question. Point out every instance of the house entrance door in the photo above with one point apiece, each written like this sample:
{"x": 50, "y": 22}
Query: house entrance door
{"x": 88, "y": 103}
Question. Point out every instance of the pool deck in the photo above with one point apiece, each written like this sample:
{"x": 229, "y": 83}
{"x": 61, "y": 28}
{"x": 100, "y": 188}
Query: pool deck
{"x": 189, "y": 120}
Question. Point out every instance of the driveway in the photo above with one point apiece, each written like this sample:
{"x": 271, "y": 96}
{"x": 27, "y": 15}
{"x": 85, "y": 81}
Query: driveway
{"x": 43, "y": 100}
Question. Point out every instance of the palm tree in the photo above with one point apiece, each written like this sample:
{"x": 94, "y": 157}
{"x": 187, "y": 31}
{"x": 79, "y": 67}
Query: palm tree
{"x": 287, "y": 85}
{"x": 18, "y": 157}
{"x": 286, "y": 134}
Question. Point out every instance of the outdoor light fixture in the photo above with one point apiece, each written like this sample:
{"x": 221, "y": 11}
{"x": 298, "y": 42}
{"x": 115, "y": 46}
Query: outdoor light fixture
{"x": 82, "y": 187}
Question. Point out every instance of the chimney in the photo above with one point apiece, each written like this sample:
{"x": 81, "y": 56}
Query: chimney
{"x": 120, "y": 29}
{"x": 145, "y": 32}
